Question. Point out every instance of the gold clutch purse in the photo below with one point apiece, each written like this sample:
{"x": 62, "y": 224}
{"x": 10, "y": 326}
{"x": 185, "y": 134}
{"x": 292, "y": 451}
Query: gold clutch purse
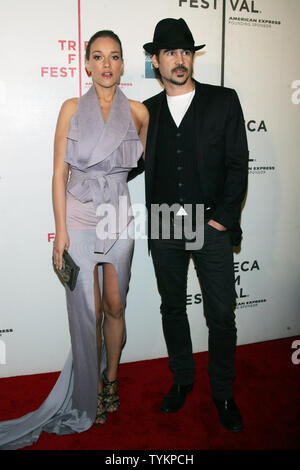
{"x": 69, "y": 272}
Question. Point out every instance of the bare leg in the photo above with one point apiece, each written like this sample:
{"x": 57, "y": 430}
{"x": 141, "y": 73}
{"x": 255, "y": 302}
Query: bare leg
{"x": 98, "y": 312}
{"x": 101, "y": 407}
{"x": 113, "y": 327}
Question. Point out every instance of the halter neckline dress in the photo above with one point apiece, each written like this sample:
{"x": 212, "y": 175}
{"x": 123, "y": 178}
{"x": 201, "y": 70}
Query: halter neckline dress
{"x": 100, "y": 155}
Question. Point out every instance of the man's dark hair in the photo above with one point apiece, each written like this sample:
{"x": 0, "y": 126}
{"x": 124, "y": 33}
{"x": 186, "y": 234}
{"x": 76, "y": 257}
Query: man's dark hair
{"x": 156, "y": 71}
{"x": 105, "y": 33}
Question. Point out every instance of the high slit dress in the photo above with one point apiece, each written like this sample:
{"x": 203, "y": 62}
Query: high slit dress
{"x": 101, "y": 230}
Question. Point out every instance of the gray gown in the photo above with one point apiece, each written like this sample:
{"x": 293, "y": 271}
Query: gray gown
{"x": 100, "y": 155}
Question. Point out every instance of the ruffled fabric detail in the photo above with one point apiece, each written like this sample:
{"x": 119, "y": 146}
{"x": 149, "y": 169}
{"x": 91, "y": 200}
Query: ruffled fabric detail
{"x": 91, "y": 140}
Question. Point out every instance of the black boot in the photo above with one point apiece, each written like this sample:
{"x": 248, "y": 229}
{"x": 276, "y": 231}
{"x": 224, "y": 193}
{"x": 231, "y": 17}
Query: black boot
{"x": 175, "y": 398}
{"x": 229, "y": 414}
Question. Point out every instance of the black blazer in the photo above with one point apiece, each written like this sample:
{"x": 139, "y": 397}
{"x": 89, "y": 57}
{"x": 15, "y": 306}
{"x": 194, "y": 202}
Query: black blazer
{"x": 222, "y": 152}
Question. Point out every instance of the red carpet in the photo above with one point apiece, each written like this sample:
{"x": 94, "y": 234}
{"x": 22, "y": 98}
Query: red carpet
{"x": 266, "y": 389}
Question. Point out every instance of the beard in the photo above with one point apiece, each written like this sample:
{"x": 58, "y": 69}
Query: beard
{"x": 175, "y": 82}
{"x": 178, "y": 82}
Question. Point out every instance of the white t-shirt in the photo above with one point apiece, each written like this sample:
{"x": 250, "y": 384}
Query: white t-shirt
{"x": 178, "y": 105}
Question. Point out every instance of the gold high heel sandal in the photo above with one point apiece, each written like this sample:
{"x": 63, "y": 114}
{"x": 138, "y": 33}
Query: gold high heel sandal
{"x": 101, "y": 410}
{"x": 111, "y": 397}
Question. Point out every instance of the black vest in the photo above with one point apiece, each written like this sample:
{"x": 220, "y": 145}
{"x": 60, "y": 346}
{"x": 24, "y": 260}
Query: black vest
{"x": 176, "y": 173}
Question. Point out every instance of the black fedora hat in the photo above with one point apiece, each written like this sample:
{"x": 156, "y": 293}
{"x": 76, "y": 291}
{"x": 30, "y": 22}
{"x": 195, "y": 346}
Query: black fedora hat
{"x": 171, "y": 34}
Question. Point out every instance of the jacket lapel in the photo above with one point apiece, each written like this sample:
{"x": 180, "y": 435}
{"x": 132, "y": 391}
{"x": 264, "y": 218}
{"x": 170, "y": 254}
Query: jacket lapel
{"x": 201, "y": 107}
{"x": 201, "y": 103}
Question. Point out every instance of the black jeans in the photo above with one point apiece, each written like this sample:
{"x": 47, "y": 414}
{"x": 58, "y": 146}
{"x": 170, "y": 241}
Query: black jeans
{"x": 214, "y": 267}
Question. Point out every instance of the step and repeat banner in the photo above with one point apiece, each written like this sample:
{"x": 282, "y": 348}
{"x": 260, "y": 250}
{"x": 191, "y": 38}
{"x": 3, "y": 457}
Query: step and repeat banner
{"x": 252, "y": 46}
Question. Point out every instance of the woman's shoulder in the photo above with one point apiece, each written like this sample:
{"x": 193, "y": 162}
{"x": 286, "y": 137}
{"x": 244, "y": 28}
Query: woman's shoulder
{"x": 139, "y": 109}
{"x": 70, "y": 105}
{"x": 68, "y": 109}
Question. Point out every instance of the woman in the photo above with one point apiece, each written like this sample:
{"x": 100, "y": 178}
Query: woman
{"x": 104, "y": 132}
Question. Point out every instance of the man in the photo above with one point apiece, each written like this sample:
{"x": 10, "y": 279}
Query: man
{"x": 196, "y": 154}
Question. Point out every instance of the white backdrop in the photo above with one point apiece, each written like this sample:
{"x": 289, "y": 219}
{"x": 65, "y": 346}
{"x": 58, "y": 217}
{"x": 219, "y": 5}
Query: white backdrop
{"x": 42, "y": 49}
